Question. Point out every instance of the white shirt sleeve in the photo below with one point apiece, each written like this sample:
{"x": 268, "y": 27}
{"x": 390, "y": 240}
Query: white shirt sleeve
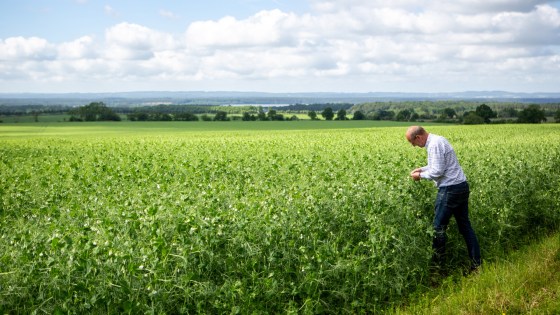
{"x": 436, "y": 162}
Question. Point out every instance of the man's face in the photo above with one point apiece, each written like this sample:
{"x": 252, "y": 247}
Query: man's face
{"x": 415, "y": 141}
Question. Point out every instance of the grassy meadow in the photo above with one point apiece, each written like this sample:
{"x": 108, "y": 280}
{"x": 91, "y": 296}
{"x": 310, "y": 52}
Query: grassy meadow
{"x": 250, "y": 217}
{"x": 526, "y": 281}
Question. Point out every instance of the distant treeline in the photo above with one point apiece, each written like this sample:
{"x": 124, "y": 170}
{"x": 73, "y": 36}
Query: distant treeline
{"x": 304, "y": 108}
{"x": 8, "y": 110}
{"x": 436, "y": 108}
{"x": 233, "y": 109}
{"x": 192, "y": 109}
{"x": 458, "y": 111}
{"x": 174, "y": 109}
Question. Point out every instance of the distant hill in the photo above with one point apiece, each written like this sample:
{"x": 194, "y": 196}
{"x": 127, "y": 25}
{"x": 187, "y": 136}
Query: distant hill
{"x": 256, "y": 98}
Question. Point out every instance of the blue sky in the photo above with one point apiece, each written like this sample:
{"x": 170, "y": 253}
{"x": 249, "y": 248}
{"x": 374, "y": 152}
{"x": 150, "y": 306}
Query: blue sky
{"x": 280, "y": 45}
{"x": 65, "y": 20}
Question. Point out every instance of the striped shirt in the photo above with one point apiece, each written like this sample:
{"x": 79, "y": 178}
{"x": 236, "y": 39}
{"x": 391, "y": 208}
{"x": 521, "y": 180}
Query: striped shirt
{"x": 443, "y": 167}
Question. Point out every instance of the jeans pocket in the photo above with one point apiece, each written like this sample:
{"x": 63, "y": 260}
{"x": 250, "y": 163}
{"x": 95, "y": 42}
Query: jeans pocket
{"x": 457, "y": 199}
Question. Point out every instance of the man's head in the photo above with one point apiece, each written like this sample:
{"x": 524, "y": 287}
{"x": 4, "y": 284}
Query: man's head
{"x": 417, "y": 136}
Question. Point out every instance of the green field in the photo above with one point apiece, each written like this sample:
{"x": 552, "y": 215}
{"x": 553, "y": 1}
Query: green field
{"x": 142, "y": 129}
{"x": 249, "y": 217}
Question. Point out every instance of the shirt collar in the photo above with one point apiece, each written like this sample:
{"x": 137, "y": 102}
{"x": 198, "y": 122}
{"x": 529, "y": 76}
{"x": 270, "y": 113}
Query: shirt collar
{"x": 428, "y": 140}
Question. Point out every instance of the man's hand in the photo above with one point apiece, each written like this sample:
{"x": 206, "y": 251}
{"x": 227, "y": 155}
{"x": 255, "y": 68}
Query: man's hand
{"x": 416, "y": 174}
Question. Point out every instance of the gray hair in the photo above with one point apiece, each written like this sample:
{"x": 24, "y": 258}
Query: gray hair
{"x": 414, "y": 131}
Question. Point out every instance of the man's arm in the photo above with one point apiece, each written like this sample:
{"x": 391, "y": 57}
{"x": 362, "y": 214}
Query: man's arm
{"x": 436, "y": 164}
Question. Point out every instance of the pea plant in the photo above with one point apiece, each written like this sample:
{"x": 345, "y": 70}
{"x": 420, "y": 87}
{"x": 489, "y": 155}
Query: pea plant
{"x": 309, "y": 221}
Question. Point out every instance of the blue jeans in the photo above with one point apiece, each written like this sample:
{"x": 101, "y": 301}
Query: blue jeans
{"x": 454, "y": 201}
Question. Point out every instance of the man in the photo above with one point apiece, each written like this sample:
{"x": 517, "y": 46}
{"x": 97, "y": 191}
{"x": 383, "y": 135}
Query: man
{"x": 453, "y": 191}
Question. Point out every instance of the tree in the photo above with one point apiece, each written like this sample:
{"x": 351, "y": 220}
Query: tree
{"x": 109, "y": 116}
{"x": 532, "y": 115}
{"x": 261, "y": 115}
{"x": 341, "y": 115}
{"x": 95, "y": 111}
{"x": 449, "y": 112}
{"x": 248, "y": 117}
{"x": 35, "y": 115}
{"x": 485, "y": 112}
{"x": 312, "y": 114}
{"x": 471, "y": 118}
{"x": 358, "y": 115}
{"x": 404, "y": 115}
{"x": 186, "y": 117}
{"x": 446, "y": 114}
{"x": 328, "y": 113}
{"x": 277, "y": 117}
{"x": 142, "y": 117}
{"x": 557, "y": 116}
{"x": 271, "y": 113}
{"x": 383, "y": 115}
{"x": 160, "y": 117}
{"x": 274, "y": 115}
{"x": 508, "y": 112}
{"x": 221, "y": 116}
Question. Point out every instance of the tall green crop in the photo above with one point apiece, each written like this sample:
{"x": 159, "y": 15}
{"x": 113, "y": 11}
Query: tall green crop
{"x": 279, "y": 221}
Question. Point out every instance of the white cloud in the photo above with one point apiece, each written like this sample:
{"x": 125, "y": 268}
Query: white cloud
{"x": 81, "y": 48}
{"x": 133, "y": 41}
{"x": 486, "y": 6}
{"x": 369, "y": 44}
{"x": 20, "y": 48}
{"x": 537, "y": 27}
{"x": 453, "y": 6}
{"x": 265, "y": 28}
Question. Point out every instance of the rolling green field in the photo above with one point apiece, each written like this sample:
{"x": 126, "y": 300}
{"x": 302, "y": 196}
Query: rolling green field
{"x": 249, "y": 217}
{"x": 143, "y": 129}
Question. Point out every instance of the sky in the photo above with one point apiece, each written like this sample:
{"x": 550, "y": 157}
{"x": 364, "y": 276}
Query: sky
{"x": 63, "y": 46}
